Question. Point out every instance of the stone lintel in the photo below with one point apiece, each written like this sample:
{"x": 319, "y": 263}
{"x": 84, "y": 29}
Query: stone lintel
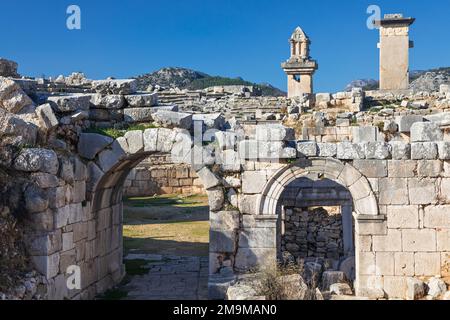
{"x": 394, "y": 22}
{"x": 369, "y": 218}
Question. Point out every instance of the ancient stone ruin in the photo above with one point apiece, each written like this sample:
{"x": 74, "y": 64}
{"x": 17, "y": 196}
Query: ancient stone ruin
{"x": 353, "y": 185}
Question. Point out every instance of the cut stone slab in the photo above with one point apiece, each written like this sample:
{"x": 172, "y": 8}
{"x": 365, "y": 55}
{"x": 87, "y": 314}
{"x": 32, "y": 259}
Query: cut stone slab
{"x": 210, "y": 121}
{"x": 307, "y": 148}
{"x": 424, "y": 151}
{"x": 47, "y": 116}
{"x": 208, "y": 178}
{"x": 90, "y": 144}
{"x": 70, "y": 103}
{"x": 142, "y": 100}
{"x": 173, "y": 119}
{"x": 138, "y": 114}
{"x": 426, "y": 132}
{"x": 405, "y": 122}
{"x": 12, "y": 97}
{"x": 274, "y": 132}
{"x": 365, "y": 134}
{"x": 124, "y": 86}
{"x": 111, "y": 101}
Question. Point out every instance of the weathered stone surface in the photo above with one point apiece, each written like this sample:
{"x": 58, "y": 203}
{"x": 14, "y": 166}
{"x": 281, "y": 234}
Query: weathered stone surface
{"x": 274, "y": 132}
{"x": 400, "y": 217}
{"x": 405, "y": 122}
{"x": 70, "y": 103}
{"x": 142, "y": 100}
{"x": 123, "y": 87}
{"x": 138, "y": 114}
{"x": 424, "y": 150}
{"x": 327, "y": 149}
{"x": 393, "y": 191}
{"x": 444, "y": 150}
{"x": 111, "y": 156}
{"x": 90, "y": 144}
{"x": 32, "y": 160}
{"x": 226, "y": 140}
{"x": 350, "y": 151}
{"x": 307, "y": 148}
{"x": 422, "y": 191}
{"x": 15, "y": 131}
{"x": 426, "y": 132}
{"x": 377, "y": 150}
{"x": 371, "y": 168}
{"x": 35, "y": 199}
{"x": 47, "y": 265}
{"x": 209, "y": 179}
{"x": 210, "y": 121}
{"x": 414, "y": 240}
{"x": 216, "y": 199}
{"x": 135, "y": 141}
{"x": 247, "y": 204}
{"x": 150, "y": 139}
{"x": 341, "y": 289}
{"x": 332, "y": 277}
{"x": 415, "y": 289}
{"x": 436, "y": 287}
{"x": 12, "y": 97}
{"x": 226, "y": 220}
{"x": 253, "y": 181}
{"x": 110, "y": 101}
{"x": 364, "y": 134}
{"x": 240, "y": 292}
{"x": 400, "y": 150}
{"x": 173, "y": 119}
{"x": 47, "y": 116}
{"x": 293, "y": 287}
{"x": 229, "y": 161}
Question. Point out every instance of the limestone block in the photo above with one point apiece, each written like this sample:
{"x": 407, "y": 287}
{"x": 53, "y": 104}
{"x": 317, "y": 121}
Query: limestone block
{"x": 429, "y": 168}
{"x": 248, "y": 149}
{"x": 371, "y": 168}
{"x": 150, "y": 139}
{"x": 138, "y": 114}
{"x": 229, "y": 161}
{"x": 247, "y": 204}
{"x": 402, "y": 168}
{"x": 222, "y": 240}
{"x": 422, "y": 191}
{"x": 395, "y": 287}
{"x": 400, "y": 150}
{"x": 393, "y": 191}
{"x": 377, "y": 150}
{"x": 426, "y": 132}
{"x": 36, "y": 199}
{"x": 123, "y": 87}
{"x": 250, "y": 258}
{"x": 45, "y": 180}
{"x": 404, "y": 263}
{"x": 366, "y": 263}
{"x": 307, "y": 148}
{"x": 8, "y": 68}
{"x": 403, "y": 217}
{"x": 405, "y": 122}
{"x": 34, "y": 159}
{"x": 437, "y": 216}
{"x": 80, "y": 170}
{"x": 270, "y": 149}
{"x": 173, "y": 119}
{"x": 56, "y": 197}
{"x": 67, "y": 241}
{"x": 70, "y": 103}
{"x": 443, "y": 239}
{"x": 350, "y": 151}
{"x": 427, "y": 263}
{"x": 226, "y": 220}
{"x": 216, "y": 199}
{"x": 418, "y": 240}
{"x": 424, "y": 150}
{"x": 371, "y": 228}
{"x": 47, "y": 265}
{"x": 444, "y": 150}
{"x": 46, "y": 116}
{"x": 369, "y": 286}
{"x": 111, "y": 101}
{"x": 391, "y": 242}
{"x": 135, "y": 141}
{"x": 327, "y": 149}
{"x": 274, "y": 132}
{"x": 257, "y": 238}
{"x": 415, "y": 289}
{"x": 384, "y": 263}
{"x": 166, "y": 139}
{"x": 330, "y": 278}
{"x": 208, "y": 178}
{"x": 12, "y": 97}
{"x": 288, "y": 153}
{"x": 111, "y": 156}
{"x": 90, "y": 144}
{"x": 142, "y": 100}
{"x": 253, "y": 181}
{"x": 365, "y": 134}
{"x": 46, "y": 244}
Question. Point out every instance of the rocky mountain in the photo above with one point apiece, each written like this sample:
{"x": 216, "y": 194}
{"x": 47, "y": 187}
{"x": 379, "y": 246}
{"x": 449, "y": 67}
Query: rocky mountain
{"x": 194, "y": 80}
{"x": 420, "y": 80}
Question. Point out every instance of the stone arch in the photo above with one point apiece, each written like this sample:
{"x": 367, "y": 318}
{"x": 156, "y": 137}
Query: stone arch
{"x": 364, "y": 201}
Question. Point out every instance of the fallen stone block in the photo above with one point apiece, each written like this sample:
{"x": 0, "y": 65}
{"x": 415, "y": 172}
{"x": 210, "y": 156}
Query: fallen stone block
{"x": 47, "y": 116}
{"x": 405, "y": 122}
{"x": 111, "y": 101}
{"x": 124, "y": 87}
{"x": 332, "y": 277}
{"x": 436, "y": 287}
{"x": 173, "y": 119}
{"x": 36, "y": 159}
{"x": 138, "y": 114}
{"x": 142, "y": 100}
{"x": 210, "y": 121}
{"x": 341, "y": 289}
{"x": 70, "y": 103}
{"x": 426, "y": 132}
{"x": 8, "y": 68}
{"x": 415, "y": 289}
{"x": 12, "y": 98}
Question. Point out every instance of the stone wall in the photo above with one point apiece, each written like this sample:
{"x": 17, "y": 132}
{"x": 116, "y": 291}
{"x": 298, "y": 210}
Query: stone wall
{"x": 158, "y": 175}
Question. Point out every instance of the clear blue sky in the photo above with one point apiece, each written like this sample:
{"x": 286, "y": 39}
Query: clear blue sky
{"x": 246, "y": 38}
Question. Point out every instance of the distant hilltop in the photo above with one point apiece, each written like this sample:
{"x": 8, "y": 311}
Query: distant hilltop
{"x": 420, "y": 80}
{"x": 183, "y": 78}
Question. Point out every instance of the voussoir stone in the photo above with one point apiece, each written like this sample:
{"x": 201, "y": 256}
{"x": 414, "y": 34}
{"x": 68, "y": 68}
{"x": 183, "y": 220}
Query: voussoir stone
{"x": 90, "y": 144}
{"x": 135, "y": 140}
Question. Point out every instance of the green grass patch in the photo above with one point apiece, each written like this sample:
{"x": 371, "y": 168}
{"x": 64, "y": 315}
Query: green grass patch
{"x": 166, "y": 200}
{"x": 117, "y": 133}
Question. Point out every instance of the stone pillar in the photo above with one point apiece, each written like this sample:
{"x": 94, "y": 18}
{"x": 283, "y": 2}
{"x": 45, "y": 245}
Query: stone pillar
{"x": 394, "y": 51}
{"x": 306, "y": 83}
